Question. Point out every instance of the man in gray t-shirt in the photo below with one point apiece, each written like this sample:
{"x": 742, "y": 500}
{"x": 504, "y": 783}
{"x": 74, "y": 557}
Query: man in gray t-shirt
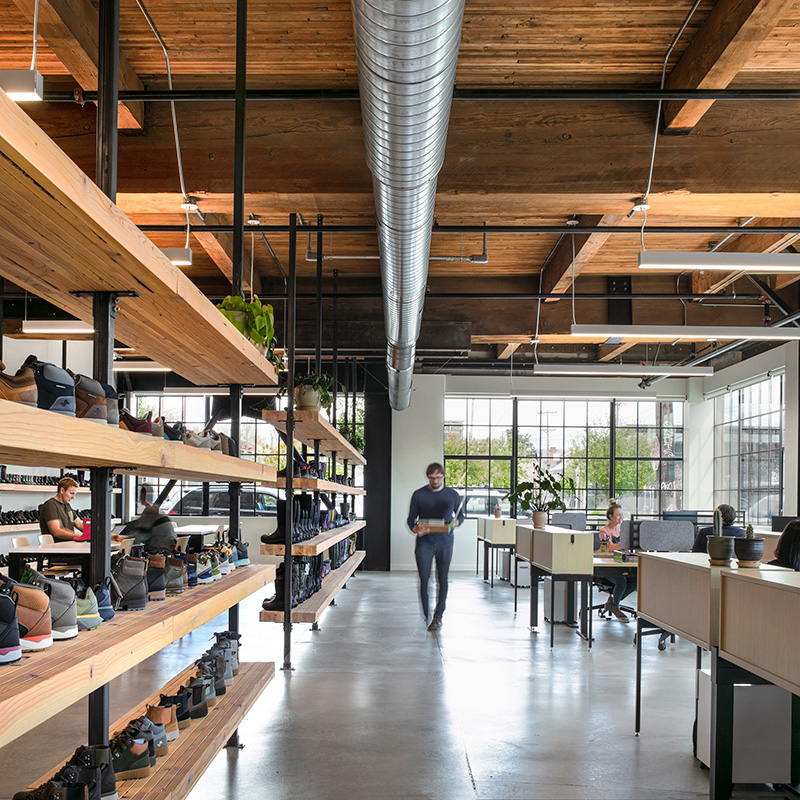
{"x": 57, "y": 517}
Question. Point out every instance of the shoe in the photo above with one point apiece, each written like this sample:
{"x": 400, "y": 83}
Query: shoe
{"x": 226, "y": 654}
{"x": 206, "y": 684}
{"x": 147, "y": 728}
{"x": 130, "y": 582}
{"x": 179, "y": 703}
{"x": 19, "y": 387}
{"x": 83, "y": 779}
{"x": 173, "y": 575}
{"x": 53, "y": 790}
{"x": 55, "y": 389}
{"x": 158, "y": 428}
{"x": 195, "y": 697}
{"x": 10, "y": 650}
{"x": 201, "y": 440}
{"x": 167, "y": 717}
{"x": 230, "y": 641}
{"x": 98, "y": 756}
{"x": 103, "y": 594}
{"x": 242, "y": 557}
{"x": 205, "y": 573}
{"x": 619, "y": 614}
{"x": 156, "y": 582}
{"x": 173, "y": 432}
{"x": 130, "y": 423}
{"x": 33, "y": 616}
{"x": 191, "y": 570}
{"x": 112, "y": 405}
{"x": 436, "y": 623}
{"x": 63, "y": 603}
{"x": 606, "y": 609}
{"x": 129, "y": 758}
{"x": 90, "y": 399}
{"x": 88, "y": 612}
{"x": 213, "y": 666}
{"x": 216, "y": 572}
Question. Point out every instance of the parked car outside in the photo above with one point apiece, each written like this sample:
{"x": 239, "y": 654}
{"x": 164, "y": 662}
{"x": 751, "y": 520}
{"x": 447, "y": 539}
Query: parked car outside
{"x": 256, "y": 501}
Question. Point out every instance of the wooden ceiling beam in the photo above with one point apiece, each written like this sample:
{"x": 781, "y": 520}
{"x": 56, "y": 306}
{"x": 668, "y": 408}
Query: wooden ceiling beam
{"x": 71, "y": 29}
{"x": 725, "y": 43}
{"x": 608, "y": 353}
{"x": 219, "y": 246}
{"x": 561, "y": 268}
{"x": 505, "y": 351}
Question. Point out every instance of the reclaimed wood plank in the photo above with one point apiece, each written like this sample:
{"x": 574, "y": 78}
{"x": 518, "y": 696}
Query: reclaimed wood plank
{"x": 317, "y": 544}
{"x": 309, "y": 426}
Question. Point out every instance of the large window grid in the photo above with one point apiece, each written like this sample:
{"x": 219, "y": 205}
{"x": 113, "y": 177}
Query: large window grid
{"x": 748, "y": 450}
{"x": 632, "y": 451}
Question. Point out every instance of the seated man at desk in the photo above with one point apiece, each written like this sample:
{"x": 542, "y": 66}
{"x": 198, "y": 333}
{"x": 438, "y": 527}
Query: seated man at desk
{"x": 622, "y": 581}
{"x": 728, "y": 529}
{"x": 57, "y": 517}
{"x": 787, "y": 551}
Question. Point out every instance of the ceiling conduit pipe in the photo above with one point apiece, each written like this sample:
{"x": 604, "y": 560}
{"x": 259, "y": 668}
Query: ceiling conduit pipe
{"x": 407, "y": 52}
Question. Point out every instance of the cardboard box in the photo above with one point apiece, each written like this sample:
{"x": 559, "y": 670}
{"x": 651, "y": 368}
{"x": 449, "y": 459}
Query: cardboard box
{"x": 437, "y": 525}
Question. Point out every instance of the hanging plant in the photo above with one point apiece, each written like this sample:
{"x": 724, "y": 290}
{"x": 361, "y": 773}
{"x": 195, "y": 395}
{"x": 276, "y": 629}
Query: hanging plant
{"x": 255, "y": 321}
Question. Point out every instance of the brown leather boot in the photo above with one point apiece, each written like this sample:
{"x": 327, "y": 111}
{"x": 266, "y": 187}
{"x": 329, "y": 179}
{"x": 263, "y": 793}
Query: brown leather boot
{"x": 164, "y": 715}
{"x": 20, "y": 387}
{"x": 33, "y": 616}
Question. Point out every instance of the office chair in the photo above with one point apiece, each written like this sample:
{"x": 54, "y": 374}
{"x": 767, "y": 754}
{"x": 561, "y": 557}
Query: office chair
{"x": 603, "y": 586}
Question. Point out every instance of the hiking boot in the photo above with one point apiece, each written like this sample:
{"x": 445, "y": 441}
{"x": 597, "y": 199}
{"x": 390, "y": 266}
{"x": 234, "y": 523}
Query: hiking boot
{"x": 223, "y": 557}
{"x": 63, "y": 603}
{"x": 195, "y": 698}
{"x": 230, "y": 640}
{"x": 129, "y": 758}
{"x": 179, "y": 703}
{"x": 53, "y": 790}
{"x": 112, "y": 404}
{"x": 242, "y": 558}
{"x": 130, "y": 423}
{"x": 90, "y": 399}
{"x": 55, "y": 389}
{"x": 205, "y": 572}
{"x": 130, "y": 576}
{"x": 213, "y": 666}
{"x": 206, "y": 682}
{"x": 147, "y": 728}
{"x": 33, "y": 616}
{"x": 166, "y": 716}
{"x": 98, "y": 756}
{"x": 226, "y": 654}
{"x": 103, "y": 594}
{"x": 76, "y": 776}
{"x": 88, "y": 612}
{"x": 216, "y": 573}
{"x": 20, "y": 387}
{"x": 156, "y": 583}
{"x": 10, "y": 650}
{"x": 191, "y": 570}
{"x": 173, "y": 575}
{"x": 184, "y": 559}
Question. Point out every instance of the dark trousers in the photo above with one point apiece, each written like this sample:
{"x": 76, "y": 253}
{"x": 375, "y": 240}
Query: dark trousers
{"x": 623, "y": 586}
{"x": 428, "y": 547}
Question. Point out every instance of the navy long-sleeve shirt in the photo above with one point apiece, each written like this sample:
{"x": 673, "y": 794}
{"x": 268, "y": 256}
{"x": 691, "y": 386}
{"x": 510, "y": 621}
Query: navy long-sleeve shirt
{"x": 427, "y": 504}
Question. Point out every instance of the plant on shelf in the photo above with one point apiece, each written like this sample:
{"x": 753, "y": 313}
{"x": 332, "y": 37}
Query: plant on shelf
{"x": 255, "y": 321}
{"x": 312, "y": 390}
{"x": 749, "y": 549}
{"x": 352, "y": 433}
{"x": 544, "y": 492}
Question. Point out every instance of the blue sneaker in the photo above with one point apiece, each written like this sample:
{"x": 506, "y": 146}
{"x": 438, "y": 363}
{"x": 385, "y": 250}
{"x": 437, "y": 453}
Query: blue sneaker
{"x": 102, "y": 593}
{"x": 241, "y": 554}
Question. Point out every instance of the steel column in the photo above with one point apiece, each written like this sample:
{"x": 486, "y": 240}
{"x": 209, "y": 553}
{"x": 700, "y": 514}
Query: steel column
{"x": 335, "y": 344}
{"x": 318, "y": 359}
{"x": 239, "y": 144}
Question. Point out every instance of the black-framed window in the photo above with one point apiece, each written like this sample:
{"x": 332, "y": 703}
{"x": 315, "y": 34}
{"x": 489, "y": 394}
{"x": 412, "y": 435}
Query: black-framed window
{"x": 748, "y": 450}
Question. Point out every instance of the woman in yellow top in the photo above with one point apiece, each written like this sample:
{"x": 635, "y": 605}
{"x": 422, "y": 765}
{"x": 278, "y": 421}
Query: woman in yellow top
{"x": 622, "y": 581}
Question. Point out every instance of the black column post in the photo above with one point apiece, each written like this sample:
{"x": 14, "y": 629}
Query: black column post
{"x": 104, "y": 314}
{"x": 378, "y": 472}
{"x": 291, "y": 289}
{"x": 240, "y": 113}
{"x": 318, "y": 359}
{"x": 335, "y": 345}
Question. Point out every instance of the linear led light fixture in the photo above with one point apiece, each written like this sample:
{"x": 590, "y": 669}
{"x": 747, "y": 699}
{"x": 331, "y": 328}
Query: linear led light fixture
{"x": 622, "y": 370}
{"x": 139, "y": 366}
{"x": 22, "y": 85}
{"x": 673, "y": 332}
{"x": 51, "y": 326}
{"x": 715, "y": 260}
{"x": 179, "y": 256}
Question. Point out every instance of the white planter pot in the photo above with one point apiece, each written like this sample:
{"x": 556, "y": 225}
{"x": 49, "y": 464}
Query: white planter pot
{"x": 306, "y": 397}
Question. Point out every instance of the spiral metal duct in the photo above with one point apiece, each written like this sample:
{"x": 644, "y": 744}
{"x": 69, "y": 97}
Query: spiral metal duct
{"x": 407, "y": 51}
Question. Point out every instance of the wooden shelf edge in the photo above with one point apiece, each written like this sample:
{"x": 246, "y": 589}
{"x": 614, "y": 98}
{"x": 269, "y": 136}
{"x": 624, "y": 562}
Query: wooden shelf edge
{"x": 310, "y": 426}
{"x": 313, "y": 608}
{"x": 315, "y": 484}
{"x": 27, "y": 487}
{"x": 317, "y": 545}
{"x": 193, "y": 751}
{"x": 42, "y": 684}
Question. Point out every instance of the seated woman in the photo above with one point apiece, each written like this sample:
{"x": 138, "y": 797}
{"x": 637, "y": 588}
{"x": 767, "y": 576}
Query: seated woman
{"x": 728, "y": 529}
{"x": 787, "y": 551}
{"x": 622, "y": 581}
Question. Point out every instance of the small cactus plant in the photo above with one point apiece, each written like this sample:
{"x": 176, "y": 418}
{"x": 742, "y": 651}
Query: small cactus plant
{"x": 749, "y": 533}
{"x": 717, "y": 522}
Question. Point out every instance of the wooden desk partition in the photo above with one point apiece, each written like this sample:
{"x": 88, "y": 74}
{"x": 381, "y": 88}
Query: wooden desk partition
{"x": 561, "y": 551}
{"x": 758, "y": 624}
{"x": 497, "y": 530}
{"x": 524, "y": 540}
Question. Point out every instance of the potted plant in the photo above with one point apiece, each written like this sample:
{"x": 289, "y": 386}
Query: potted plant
{"x": 312, "y": 391}
{"x": 749, "y": 550}
{"x": 720, "y": 548}
{"x": 255, "y": 321}
{"x": 352, "y": 433}
{"x": 543, "y": 493}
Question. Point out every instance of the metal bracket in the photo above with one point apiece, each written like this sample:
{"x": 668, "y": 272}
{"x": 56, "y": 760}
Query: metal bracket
{"x": 79, "y": 98}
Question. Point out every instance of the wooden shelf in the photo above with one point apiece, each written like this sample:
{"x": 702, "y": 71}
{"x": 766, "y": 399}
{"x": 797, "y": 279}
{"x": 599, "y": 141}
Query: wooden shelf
{"x": 46, "y": 682}
{"x": 35, "y": 437}
{"x": 27, "y": 527}
{"x": 309, "y": 425}
{"x": 313, "y": 608}
{"x": 189, "y": 756}
{"x": 88, "y": 244}
{"x": 316, "y": 545}
{"x": 27, "y": 487}
{"x": 319, "y": 485}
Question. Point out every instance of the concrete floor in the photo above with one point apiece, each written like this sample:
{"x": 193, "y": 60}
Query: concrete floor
{"x": 377, "y": 707}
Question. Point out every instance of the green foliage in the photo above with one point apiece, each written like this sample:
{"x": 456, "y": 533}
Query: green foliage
{"x": 544, "y": 492}
{"x": 253, "y": 320}
{"x": 322, "y": 383}
{"x": 750, "y": 533}
{"x": 352, "y": 432}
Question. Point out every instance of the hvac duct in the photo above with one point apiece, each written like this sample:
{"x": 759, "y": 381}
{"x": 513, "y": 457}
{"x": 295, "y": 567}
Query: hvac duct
{"x": 407, "y": 51}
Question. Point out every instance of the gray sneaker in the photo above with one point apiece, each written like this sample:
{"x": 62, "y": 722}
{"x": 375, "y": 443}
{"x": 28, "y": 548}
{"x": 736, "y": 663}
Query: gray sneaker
{"x": 63, "y": 605}
{"x": 130, "y": 575}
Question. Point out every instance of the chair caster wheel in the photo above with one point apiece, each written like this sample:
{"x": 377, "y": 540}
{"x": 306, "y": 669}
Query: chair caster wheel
{"x": 662, "y": 646}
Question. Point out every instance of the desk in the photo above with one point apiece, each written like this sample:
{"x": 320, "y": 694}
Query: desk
{"x": 496, "y": 533}
{"x": 80, "y": 551}
{"x": 196, "y": 533}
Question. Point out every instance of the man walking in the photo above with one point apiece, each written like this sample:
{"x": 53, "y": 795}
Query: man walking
{"x": 434, "y": 501}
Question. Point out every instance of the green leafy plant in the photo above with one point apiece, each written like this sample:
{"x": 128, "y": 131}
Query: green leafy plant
{"x": 322, "y": 383}
{"x": 750, "y": 533}
{"x": 255, "y": 321}
{"x": 352, "y": 433}
{"x": 544, "y": 492}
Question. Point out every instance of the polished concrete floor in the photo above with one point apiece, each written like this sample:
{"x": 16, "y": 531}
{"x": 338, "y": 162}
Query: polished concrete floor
{"x": 377, "y": 707}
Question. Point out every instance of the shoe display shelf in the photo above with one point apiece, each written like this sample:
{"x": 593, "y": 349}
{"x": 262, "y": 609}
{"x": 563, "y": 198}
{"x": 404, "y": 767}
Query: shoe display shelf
{"x": 45, "y": 682}
{"x": 319, "y": 485}
{"x": 28, "y": 527}
{"x": 317, "y": 544}
{"x": 311, "y": 426}
{"x": 28, "y": 487}
{"x": 35, "y": 437}
{"x": 176, "y": 773}
{"x": 312, "y": 609}
{"x": 88, "y": 245}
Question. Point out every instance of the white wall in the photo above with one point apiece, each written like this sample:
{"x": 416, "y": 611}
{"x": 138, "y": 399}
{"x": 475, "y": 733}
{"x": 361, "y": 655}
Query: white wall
{"x": 15, "y": 351}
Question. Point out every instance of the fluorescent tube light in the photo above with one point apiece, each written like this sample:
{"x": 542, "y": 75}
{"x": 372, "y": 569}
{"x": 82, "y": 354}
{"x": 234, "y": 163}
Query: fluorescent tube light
{"x": 51, "y": 326}
{"x": 726, "y": 262}
{"x": 139, "y": 366}
{"x": 22, "y": 85}
{"x": 672, "y": 332}
{"x": 622, "y": 370}
{"x": 179, "y": 256}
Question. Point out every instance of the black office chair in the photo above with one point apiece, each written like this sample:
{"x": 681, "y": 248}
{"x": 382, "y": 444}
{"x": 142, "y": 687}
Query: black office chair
{"x": 605, "y": 586}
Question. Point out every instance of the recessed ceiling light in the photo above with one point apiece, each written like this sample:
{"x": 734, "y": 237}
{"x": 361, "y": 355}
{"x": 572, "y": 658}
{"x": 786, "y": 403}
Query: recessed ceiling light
{"x": 22, "y": 85}
{"x": 726, "y": 262}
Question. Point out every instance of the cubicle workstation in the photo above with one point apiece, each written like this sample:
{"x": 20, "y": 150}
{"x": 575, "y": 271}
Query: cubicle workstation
{"x": 496, "y": 533}
{"x": 563, "y": 555}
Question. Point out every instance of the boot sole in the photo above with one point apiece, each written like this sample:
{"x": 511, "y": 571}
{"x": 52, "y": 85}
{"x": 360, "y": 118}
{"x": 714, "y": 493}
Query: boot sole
{"x": 89, "y": 623}
{"x": 10, "y": 655}
{"x": 163, "y": 750}
{"x": 159, "y": 595}
{"x": 183, "y": 724}
{"x": 205, "y": 581}
{"x": 172, "y": 735}
{"x": 66, "y": 633}
{"x": 199, "y": 714}
{"x": 129, "y": 774}
{"x": 38, "y": 643}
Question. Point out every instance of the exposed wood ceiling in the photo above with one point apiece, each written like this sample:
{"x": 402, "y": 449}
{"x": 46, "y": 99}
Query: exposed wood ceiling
{"x": 508, "y": 161}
